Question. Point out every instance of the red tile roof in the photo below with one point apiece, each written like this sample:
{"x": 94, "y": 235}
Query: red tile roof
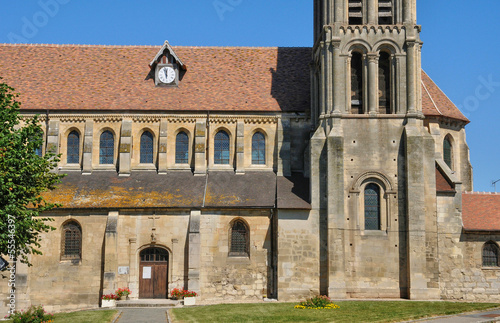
{"x": 481, "y": 211}
{"x": 436, "y": 103}
{"x": 75, "y": 77}
{"x": 442, "y": 184}
{"x": 83, "y": 77}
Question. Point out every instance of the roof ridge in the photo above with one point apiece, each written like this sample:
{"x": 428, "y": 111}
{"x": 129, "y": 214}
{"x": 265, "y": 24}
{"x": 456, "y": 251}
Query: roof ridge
{"x": 146, "y": 46}
{"x": 481, "y": 193}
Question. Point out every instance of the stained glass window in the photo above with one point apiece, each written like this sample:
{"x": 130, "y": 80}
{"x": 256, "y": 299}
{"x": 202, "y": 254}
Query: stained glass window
{"x": 447, "y": 152}
{"x": 73, "y": 148}
{"x": 72, "y": 241}
{"x": 182, "y": 148}
{"x": 221, "y": 148}
{"x": 490, "y": 255}
{"x": 258, "y": 149}
{"x": 239, "y": 239}
{"x": 146, "y": 148}
{"x": 106, "y": 148}
{"x": 372, "y": 207}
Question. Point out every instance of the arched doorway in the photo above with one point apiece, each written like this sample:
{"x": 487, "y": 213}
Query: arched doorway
{"x": 153, "y": 273}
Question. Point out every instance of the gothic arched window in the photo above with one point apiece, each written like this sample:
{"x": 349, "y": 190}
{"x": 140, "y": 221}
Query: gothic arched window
{"x": 372, "y": 207}
{"x": 490, "y": 254}
{"x": 182, "y": 148}
{"x": 258, "y": 149}
{"x": 356, "y": 83}
{"x": 385, "y": 15}
{"x": 146, "y": 148}
{"x": 71, "y": 244}
{"x": 240, "y": 240}
{"x": 106, "y": 148}
{"x": 384, "y": 83}
{"x": 447, "y": 152}
{"x": 221, "y": 148}
{"x": 73, "y": 148}
{"x": 355, "y": 12}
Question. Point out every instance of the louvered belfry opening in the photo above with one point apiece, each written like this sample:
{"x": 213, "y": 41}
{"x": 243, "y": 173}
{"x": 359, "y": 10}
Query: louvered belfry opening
{"x": 384, "y": 86}
{"x": 355, "y": 12}
{"x": 385, "y": 12}
{"x": 356, "y": 83}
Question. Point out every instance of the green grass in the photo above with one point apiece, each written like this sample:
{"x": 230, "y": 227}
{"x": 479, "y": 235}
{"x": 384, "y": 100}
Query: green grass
{"x": 104, "y": 316}
{"x": 350, "y": 311}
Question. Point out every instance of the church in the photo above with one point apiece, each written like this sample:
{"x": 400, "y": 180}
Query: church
{"x": 249, "y": 173}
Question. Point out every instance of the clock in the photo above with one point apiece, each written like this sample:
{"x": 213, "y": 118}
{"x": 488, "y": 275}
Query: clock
{"x": 166, "y": 75}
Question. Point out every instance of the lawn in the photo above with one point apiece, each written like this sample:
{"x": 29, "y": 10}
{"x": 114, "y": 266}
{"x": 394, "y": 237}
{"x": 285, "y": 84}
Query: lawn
{"x": 104, "y": 316}
{"x": 349, "y": 311}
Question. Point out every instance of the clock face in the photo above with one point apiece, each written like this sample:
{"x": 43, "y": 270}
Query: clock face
{"x": 166, "y": 75}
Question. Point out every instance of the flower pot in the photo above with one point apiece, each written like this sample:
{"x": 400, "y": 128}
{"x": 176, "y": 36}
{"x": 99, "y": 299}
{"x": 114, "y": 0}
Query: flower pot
{"x": 108, "y": 303}
{"x": 189, "y": 301}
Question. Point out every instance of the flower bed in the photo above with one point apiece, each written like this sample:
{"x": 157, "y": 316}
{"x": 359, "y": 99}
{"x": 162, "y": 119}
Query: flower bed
{"x": 34, "y": 314}
{"x": 317, "y": 303}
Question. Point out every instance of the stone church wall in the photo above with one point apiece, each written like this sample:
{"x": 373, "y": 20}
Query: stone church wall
{"x": 460, "y": 253}
{"x": 228, "y": 278}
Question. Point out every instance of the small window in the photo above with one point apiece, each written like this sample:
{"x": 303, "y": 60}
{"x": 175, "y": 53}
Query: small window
{"x": 447, "y": 153}
{"x": 106, "y": 148}
{"x": 490, "y": 254}
{"x": 146, "y": 148}
{"x": 240, "y": 240}
{"x": 355, "y": 12}
{"x": 372, "y": 207}
{"x": 38, "y": 151}
{"x": 258, "y": 149}
{"x": 385, "y": 12}
{"x": 221, "y": 148}
{"x": 71, "y": 248}
{"x": 356, "y": 83}
{"x": 384, "y": 83}
{"x": 73, "y": 150}
{"x": 182, "y": 148}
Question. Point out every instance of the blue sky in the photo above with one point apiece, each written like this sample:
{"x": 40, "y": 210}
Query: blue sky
{"x": 461, "y": 43}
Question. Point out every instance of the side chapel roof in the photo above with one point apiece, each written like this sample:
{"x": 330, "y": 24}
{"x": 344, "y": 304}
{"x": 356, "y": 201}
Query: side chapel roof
{"x": 481, "y": 211}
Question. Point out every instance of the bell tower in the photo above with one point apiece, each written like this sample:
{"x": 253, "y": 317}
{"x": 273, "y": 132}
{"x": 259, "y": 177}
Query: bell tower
{"x": 372, "y": 161}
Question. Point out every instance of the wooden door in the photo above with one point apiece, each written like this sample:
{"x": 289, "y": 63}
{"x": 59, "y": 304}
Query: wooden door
{"x": 153, "y": 273}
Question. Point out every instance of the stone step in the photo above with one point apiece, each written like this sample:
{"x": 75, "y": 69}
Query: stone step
{"x": 148, "y": 303}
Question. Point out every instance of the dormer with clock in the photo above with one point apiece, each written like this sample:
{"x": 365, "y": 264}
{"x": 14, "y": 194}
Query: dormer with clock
{"x": 167, "y": 68}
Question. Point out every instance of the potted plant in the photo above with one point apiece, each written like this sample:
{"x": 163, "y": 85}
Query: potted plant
{"x": 108, "y": 300}
{"x": 122, "y": 293}
{"x": 189, "y": 298}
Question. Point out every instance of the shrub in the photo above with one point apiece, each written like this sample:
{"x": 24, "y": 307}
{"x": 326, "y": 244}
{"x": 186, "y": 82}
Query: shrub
{"x": 109, "y": 297}
{"x": 34, "y": 314}
{"x": 122, "y": 292}
{"x": 181, "y": 293}
{"x": 317, "y": 302}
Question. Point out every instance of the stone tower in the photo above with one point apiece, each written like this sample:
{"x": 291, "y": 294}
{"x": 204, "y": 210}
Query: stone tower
{"x": 372, "y": 161}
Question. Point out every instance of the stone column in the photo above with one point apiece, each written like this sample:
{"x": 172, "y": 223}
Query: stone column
{"x": 240, "y": 147}
{"x": 338, "y": 78}
{"x": 411, "y": 76}
{"x": 110, "y": 253}
{"x": 407, "y": 10}
{"x": 53, "y": 137}
{"x": 87, "y": 147}
{"x": 284, "y": 163}
{"x": 340, "y": 16}
{"x": 194, "y": 247}
{"x": 162, "y": 148}
{"x": 133, "y": 276}
{"x": 373, "y": 83}
{"x": 125, "y": 148}
{"x": 200, "y": 160}
{"x": 372, "y": 12}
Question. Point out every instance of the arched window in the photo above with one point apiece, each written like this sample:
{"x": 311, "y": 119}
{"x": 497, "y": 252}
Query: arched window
{"x": 356, "y": 83}
{"x": 447, "y": 152}
{"x": 240, "y": 240}
{"x": 154, "y": 255}
{"x": 106, "y": 148}
{"x": 146, "y": 148}
{"x": 71, "y": 245}
{"x": 221, "y": 148}
{"x": 372, "y": 207}
{"x": 384, "y": 83}
{"x": 385, "y": 12}
{"x": 73, "y": 146}
{"x": 258, "y": 149}
{"x": 355, "y": 12}
{"x": 38, "y": 151}
{"x": 182, "y": 148}
{"x": 490, "y": 254}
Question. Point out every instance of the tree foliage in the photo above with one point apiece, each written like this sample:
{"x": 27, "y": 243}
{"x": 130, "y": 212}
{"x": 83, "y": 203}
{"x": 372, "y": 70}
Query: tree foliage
{"x": 24, "y": 175}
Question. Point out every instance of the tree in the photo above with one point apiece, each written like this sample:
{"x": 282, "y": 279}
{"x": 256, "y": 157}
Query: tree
{"x": 24, "y": 175}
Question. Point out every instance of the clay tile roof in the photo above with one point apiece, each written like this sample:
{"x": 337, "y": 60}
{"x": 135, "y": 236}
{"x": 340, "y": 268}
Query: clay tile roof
{"x": 76, "y": 77}
{"x": 442, "y": 184}
{"x": 481, "y": 211}
{"x": 436, "y": 103}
